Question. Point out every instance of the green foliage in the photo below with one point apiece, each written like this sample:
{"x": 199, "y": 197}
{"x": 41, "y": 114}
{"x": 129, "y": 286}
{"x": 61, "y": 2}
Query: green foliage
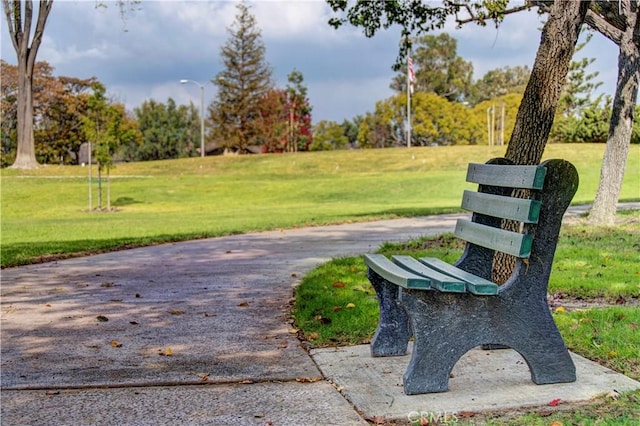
{"x": 438, "y": 69}
{"x": 591, "y": 125}
{"x": 168, "y": 131}
{"x": 434, "y": 121}
{"x": 328, "y": 135}
{"x": 242, "y": 84}
{"x": 499, "y": 82}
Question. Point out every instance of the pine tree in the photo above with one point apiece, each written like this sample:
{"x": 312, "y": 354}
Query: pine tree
{"x": 242, "y": 85}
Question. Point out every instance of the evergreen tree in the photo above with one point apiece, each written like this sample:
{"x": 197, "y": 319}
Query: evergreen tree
{"x": 242, "y": 85}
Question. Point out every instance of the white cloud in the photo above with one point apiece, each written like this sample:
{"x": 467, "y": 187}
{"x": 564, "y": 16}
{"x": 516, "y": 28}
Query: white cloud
{"x": 346, "y": 73}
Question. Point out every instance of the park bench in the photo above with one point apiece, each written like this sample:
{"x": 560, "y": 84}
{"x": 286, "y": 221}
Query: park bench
{"x": 450, "y": 309}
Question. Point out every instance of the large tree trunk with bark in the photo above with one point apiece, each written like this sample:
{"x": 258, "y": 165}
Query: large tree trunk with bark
{"x": 548, "y": 76}
{"x": 20, "y": 31}
{"x": 621, "y": 125}
{"x": 540, "y": 100}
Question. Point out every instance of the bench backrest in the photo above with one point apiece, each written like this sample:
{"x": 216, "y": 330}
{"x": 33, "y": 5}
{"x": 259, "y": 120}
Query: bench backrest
{"x": 497, "y": 201}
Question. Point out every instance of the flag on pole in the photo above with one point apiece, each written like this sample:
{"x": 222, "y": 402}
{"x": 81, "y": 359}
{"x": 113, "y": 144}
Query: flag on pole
{"x": 412, "y": 75}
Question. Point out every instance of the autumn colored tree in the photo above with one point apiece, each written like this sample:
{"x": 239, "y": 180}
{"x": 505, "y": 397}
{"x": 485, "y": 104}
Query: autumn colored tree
{"x": 299, "y": 135}
{"x": 273, "y": 125}
{"x": 242, "y": 85}
{"x": 59, "y": 130}
{"x": 59, "y": 103}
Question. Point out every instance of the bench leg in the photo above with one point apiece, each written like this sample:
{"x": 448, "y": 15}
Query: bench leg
{"x": 437, "y": 347}
{"x": 393, "y": 332}
{"x": 446, "y": 326}
{"x": 543, "y": 349}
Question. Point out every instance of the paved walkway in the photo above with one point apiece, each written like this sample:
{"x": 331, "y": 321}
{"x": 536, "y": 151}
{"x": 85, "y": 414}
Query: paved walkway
{"x": 186, "y": 333}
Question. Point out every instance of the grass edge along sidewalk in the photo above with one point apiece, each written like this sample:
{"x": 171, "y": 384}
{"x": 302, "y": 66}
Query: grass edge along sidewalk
{"x": 594, "y": 294}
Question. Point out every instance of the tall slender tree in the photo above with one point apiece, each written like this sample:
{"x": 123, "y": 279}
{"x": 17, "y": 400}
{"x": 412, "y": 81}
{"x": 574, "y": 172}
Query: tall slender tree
{"x": 243, "y": 83}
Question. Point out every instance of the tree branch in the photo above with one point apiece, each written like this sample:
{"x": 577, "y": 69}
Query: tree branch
{"x": 481, "y": 19}
{"x": 601, "y": 25}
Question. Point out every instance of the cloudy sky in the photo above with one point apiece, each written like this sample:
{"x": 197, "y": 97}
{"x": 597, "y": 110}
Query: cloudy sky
{"x": 147, "y": 55}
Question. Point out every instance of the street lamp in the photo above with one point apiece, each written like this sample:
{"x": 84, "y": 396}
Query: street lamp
{"x": 201, "y": 112}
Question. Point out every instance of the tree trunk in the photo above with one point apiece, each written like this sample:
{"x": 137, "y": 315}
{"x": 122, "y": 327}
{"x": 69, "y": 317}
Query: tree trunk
{"x": 549, "y": 73}
{"x": 25, "y": 154}
{"x": 99, "y": 187}
{"x": 620, "y": 128}
{"x": 540, "y": 101}
{"x": 20, "y": 32}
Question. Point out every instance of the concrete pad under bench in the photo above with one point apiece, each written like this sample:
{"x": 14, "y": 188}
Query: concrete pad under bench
{"x": 481, "y": 381}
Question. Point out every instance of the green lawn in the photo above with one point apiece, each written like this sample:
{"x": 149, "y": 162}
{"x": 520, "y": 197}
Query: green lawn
{"x": 45, "y": 212}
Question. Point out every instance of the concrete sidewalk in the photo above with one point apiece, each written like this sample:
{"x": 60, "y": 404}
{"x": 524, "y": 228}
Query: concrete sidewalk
{"x": 193, "y": 333}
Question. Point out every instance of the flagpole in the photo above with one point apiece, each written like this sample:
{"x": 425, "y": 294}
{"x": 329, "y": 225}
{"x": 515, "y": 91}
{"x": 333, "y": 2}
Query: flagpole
{"x": 409, "y": 65}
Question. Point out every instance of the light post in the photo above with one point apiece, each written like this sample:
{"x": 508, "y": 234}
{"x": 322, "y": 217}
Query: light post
{"x": 201, "y": 112}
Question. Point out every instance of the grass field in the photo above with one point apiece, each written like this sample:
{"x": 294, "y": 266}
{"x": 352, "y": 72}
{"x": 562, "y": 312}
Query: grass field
{"x": 45, "y": 211}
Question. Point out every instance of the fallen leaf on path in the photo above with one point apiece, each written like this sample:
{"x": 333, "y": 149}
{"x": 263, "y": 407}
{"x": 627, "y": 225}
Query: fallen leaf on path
{"x": 309, "y": 379}
{"x": 246, "y": 382}
{"x": 102, "y": 318}
{"x": 554, "y": 402}
{"x": 116, "y": 344}
{"x": 244, "y": 304}
{"x": 176, "y": 312}
{"x": 376, "y": 420}
{"x": 166, "y": 352}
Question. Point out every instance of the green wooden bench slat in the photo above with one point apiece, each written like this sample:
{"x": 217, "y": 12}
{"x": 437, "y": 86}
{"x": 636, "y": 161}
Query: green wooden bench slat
{"x": 475, "y": 284}
{"x": 498, "y": 239}
{"x": 522, "y": 210}
{"x": 439, "y": 281}
{"x": 395, "y": 274}
{"x": 531, "y": 177}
